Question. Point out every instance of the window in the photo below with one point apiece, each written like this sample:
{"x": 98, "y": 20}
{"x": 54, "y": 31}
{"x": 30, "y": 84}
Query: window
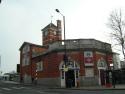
{"x": 45, "y": 33}
{"x": 63, "y": 43}
{"x": 39, "y": 66}
{"x": 89, "y": 72}
{"x": 26, "y": 49}
{"x": 25, "y": 60}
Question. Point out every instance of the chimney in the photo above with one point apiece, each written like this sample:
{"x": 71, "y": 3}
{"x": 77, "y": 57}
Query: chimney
{"x": 59, "y": 25}
{"x": 59, "y": 29}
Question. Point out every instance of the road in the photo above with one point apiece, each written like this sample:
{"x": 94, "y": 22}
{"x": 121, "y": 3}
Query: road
{"x": 12, "y": 88}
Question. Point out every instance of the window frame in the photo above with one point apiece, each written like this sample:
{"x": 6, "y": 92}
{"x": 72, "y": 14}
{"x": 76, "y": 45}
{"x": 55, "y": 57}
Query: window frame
{"x": 39, "y": 66}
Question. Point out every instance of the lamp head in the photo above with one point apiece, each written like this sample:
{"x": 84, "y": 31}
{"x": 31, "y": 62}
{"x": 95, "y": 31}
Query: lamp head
{"x": 57, "y": 10}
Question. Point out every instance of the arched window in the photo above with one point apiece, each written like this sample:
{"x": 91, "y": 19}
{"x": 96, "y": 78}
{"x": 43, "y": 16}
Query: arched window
{"x": 102, "y": 64}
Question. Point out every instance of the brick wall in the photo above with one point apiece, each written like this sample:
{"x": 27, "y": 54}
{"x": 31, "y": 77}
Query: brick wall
{"x": 50, "y": 66}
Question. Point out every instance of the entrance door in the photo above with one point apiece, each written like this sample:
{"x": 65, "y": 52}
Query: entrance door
{"x": 70, "y": 75}
{"x": 70, "y": 78}
{"x": 102, "y": 77}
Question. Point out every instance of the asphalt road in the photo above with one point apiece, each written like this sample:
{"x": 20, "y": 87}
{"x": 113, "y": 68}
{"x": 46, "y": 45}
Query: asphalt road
{"x": 12, "y": 88}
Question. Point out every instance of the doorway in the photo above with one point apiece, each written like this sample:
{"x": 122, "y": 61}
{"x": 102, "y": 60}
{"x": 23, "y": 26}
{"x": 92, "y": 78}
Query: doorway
{"x": 70, "y": 78}
{"x": 102, "y": 77}
{"x": 69, "y": 74}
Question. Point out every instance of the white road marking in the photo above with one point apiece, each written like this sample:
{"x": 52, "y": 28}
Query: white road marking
{"x": 41, "y": 92}
{"x": 16, "y": 88}
{"x": 6, "y": 89}
{"x": 50, "y": 93}
{"x": 19, "y": 87}
{"x": 24, "y": 87}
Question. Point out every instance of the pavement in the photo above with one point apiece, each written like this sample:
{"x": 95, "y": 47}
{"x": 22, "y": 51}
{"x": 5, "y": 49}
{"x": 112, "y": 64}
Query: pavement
{"x": 117, "y": 87}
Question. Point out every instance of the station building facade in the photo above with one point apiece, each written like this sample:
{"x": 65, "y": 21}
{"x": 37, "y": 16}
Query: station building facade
{"x": 86, "y": 63}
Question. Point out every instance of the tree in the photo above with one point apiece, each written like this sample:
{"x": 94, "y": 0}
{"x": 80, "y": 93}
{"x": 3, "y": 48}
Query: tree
{"x": 117, "y": 25}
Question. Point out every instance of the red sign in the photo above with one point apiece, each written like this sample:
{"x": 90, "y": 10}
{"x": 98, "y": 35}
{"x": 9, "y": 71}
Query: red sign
{"x": 110, "y": 58}
{"x": 88, "y": 57}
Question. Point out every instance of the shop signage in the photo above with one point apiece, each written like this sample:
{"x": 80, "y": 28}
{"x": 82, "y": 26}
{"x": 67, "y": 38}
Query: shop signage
{"x": 88, "y": 58}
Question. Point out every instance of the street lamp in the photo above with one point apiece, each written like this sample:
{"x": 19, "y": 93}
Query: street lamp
{"x": 63, "y": 22}
{"x": 65, "y": 54}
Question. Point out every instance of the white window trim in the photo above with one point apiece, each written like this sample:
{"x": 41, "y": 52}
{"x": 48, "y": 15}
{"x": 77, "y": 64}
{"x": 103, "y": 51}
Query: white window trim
{"x": 39, "y": 66}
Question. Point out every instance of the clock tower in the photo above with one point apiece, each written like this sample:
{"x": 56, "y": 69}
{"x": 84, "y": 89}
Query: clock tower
{"x": 52, "y": 33}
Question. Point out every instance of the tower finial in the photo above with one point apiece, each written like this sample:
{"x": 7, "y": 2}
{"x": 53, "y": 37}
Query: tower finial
{"x": 51, "y": 18}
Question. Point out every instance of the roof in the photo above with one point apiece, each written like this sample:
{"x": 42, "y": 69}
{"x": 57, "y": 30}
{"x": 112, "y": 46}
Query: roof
{"x": 76, "y": 44}
{"x": 31, "y": 44}
{"x": 48, "y": 26}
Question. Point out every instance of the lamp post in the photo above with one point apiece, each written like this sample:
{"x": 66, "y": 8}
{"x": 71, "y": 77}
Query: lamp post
{"x": 65, "y": 54}
{"x": 0, "y": 61}
{"x": 65, "y": 58}
{"x": 113, "y": 75}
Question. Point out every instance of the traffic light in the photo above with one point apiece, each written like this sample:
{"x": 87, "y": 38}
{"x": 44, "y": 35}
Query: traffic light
{"x": 0, "y": 1}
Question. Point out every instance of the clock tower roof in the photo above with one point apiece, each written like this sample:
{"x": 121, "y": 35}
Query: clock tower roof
{"x": 51, "y": 25}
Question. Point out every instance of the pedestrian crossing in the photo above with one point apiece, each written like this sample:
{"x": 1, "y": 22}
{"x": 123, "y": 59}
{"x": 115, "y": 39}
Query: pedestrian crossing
{"x": 18, "y": 87}
{"x": 8, "y": 89}
{"x": 12, "y": 88}
{"x": 26, "y": 89}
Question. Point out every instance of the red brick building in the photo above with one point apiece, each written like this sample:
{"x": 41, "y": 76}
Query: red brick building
{"x": 86, "y": 63}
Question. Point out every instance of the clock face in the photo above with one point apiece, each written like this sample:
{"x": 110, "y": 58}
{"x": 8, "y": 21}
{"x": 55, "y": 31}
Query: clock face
{"x": 54, "y": 32}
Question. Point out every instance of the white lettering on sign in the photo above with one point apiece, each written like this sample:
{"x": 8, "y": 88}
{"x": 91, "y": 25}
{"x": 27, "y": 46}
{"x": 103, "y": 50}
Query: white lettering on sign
{"x": 88, "y": 54}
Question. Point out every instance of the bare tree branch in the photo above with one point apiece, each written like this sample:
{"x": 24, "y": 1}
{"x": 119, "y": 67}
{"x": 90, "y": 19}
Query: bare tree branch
{"x": 117, "y": 25}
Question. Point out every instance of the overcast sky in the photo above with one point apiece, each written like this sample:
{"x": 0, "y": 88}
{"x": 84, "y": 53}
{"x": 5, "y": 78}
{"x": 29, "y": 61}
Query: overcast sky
{"x": 22, "y": 20}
